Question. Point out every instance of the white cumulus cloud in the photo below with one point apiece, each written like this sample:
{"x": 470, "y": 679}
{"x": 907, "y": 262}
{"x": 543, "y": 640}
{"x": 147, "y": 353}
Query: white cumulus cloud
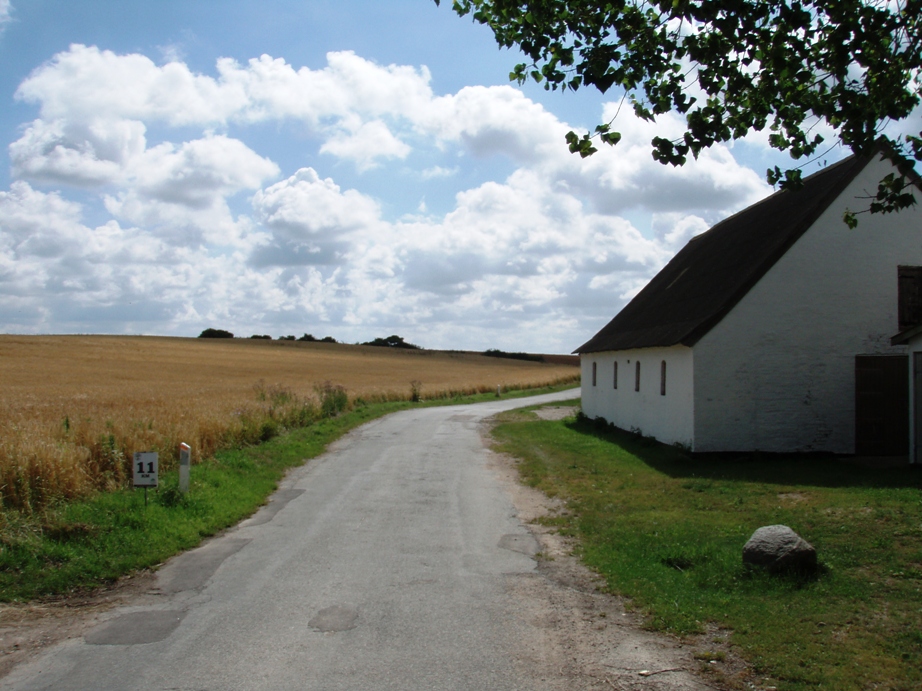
{"x": 366, "y": 144}
{"x": 6, "y": 8}
{"x": 193, "y": 225}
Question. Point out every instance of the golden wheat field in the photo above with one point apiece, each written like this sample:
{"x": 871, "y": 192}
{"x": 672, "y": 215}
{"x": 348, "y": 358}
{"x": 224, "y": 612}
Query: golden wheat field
{"x": 74, "y": 408}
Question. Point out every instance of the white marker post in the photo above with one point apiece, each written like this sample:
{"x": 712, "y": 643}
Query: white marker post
{"x": 185, "y": 460}
{"x": 146, "y": 466}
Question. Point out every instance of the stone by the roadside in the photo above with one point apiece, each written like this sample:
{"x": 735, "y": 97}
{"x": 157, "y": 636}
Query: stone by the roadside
{"x": 778, "y": 548}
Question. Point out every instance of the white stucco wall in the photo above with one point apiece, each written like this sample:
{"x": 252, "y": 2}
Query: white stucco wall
{"x": 778, "y": 372}
{"x": 667, "y": 417}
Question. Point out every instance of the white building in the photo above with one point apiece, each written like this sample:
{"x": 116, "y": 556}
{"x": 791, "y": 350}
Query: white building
{"x": 772, "y": 330}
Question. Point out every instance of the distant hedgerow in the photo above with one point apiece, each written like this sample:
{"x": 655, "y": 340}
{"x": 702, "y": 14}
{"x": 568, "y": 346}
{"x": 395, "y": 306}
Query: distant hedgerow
{"x": 493, "y": 352}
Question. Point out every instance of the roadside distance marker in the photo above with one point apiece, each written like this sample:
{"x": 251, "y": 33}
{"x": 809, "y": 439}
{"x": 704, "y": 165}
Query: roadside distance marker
{"x": 145, "y": 468}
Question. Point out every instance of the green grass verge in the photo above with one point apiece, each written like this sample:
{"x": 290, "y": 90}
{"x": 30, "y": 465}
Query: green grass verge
{"x": 667, "y": 531}
{"x": 89, "y": 543}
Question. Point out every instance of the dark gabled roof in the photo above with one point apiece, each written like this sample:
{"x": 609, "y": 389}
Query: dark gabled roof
{"x": 713, "y": 272}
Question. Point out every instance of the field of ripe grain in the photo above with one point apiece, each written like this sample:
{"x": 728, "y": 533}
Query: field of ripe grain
{"x": 73, "y": 409}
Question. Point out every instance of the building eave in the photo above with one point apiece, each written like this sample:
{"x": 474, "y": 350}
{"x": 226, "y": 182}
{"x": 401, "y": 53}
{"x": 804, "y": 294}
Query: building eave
{"x": 904, "y": 337}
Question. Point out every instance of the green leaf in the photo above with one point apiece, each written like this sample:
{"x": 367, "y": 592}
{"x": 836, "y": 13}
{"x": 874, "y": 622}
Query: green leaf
{"x": 580, "y": 145}
{"x": 611, "y": 138}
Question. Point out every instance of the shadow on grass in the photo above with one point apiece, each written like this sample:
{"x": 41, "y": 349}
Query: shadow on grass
{"x": 814, "y": 470}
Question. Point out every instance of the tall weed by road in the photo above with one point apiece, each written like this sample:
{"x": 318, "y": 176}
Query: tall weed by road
{"x": 668, "y": 530}
{"x": 333, "y": 398}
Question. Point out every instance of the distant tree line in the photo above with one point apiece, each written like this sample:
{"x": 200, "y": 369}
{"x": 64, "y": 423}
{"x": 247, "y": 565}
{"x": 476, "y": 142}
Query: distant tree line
{"x": 494, "y": 352}
{"x": 221, "y": 333}
{"x": 310, "y": 339}
{"x": 391, "y": 342}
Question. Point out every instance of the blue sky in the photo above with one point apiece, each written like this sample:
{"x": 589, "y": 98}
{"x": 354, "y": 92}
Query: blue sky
{"x": 349, "y": 168}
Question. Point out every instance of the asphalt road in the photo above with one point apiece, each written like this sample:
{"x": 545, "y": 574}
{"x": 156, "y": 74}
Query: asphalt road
{"x": 383, "y": 564}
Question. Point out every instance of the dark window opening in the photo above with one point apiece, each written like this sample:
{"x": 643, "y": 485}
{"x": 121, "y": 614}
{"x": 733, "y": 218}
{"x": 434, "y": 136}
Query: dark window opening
{"x": 637, "y": 377}
{"x": 662, "y": 378}
{"x": 594, "y": 367}
{"x": 615, "y": 378}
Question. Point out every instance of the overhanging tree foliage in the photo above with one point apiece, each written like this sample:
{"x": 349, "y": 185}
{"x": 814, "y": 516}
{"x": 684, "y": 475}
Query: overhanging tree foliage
{"x": 731, "y": 67}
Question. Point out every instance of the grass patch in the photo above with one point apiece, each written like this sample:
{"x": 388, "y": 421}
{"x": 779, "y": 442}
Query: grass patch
{"x": 667, "y": 531}
{"x": 83, "y": 544}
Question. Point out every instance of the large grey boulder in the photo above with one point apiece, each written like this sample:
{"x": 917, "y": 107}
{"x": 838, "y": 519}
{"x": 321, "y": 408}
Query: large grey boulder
{"x": 778, "y": 548}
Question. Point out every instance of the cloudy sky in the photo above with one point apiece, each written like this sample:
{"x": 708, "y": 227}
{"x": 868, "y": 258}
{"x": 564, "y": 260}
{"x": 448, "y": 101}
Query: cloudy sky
{"x": 352, "y": 168}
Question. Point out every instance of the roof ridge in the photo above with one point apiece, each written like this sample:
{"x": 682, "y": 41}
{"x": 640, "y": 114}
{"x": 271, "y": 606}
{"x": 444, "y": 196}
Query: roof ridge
{"x": 851, "y": 158}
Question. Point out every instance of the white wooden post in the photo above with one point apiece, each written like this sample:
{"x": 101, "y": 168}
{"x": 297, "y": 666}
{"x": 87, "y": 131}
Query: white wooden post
{"x": 185, "y": 459}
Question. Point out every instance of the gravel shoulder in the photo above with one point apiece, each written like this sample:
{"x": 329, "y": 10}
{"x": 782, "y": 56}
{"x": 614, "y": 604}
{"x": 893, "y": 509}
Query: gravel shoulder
{"x": 580, "y": 637}
{"x": 28, "y": 629}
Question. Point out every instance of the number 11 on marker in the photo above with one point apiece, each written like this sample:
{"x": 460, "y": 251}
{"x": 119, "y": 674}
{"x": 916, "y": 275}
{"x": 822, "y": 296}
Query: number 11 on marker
{"x": 145, "y": 469}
